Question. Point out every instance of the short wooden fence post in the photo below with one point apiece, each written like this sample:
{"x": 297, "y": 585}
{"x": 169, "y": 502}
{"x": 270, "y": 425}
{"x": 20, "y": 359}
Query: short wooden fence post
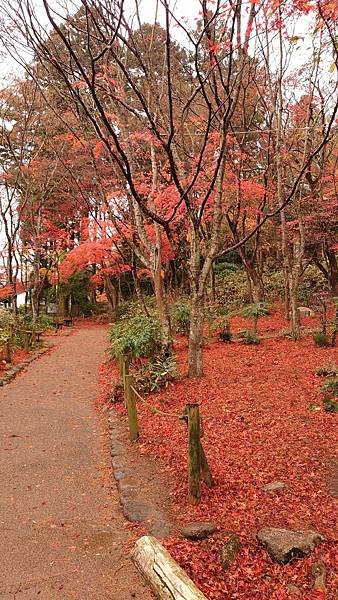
{"x": 124, "y": 369}
{"x": 8, "y": 351}
{"x": 26, "y": 340}
{"x": 131, "y": 408}
{"x": 192, "y": 412}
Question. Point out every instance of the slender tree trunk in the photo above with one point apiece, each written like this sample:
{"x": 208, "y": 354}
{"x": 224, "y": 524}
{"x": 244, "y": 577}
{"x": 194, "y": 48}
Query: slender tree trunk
{"x": 333, "y": 271}
{"x": 195, "y": 355}
{"x": 111, "y": 294}
{"x": 195, "y": 352}
{"x": 36, "y": 288}
{"x": 137, "y": 285}
{"x": 294, "y": 313}
{"x": 162, "y": 306}
{"x": 256, "y": 286}
{"x": 212, "y": 284}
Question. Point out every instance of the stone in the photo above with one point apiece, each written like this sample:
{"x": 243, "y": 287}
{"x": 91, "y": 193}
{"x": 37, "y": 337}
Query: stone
{"x": 198, "y": 530}
{"x": 305, "y": 311}
{"x": 230, "y": 550}
{"x": 293, "y": 591}
{"x": 285, "y": 545}
{"x": 318, "y": 571}
{"x": 275, "y": 486}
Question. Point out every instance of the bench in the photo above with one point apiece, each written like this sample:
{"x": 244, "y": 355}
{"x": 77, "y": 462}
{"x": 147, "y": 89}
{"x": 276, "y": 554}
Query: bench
{"x": 57, "y": 323}
{"x": 67, "y": 321}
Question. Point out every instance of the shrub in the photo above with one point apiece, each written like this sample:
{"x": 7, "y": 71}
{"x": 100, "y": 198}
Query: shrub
{"x": 127, "y": 309}
{"x": 138, "y": 337}
{"x": 225, "y": 334}
{"x": 329, "y": 390}
{"x": 232, "y": 288}
{"x": 330, "y": 405}
{"x": 274, "y": 285}
{"x": 222, "y": 325}
{"x": 321, "y": 339}
{"x": 224, "y": 268}
{"x": 327, "y": 371}
{"x": 330, "y": 386}
{"x": 312, "y": 283}
{"x": 249, "y": 337}
{"x": 181, "y": 317}
{"x": 254, "y": 312}
{"x": 285, "y": 333}
{"x": 157, "y": 373}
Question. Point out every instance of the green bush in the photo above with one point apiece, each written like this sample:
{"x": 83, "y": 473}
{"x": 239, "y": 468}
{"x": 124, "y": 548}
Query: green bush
{"x": 157, "y": 373}
{"x": 312, "y": 283}
{"x": 254, "y": 312}
{"x": 232, "y": 289}
{"x": 128, "y": 309}
{"x": 274, "y": 285}
{"x": 321, "y": 339}
{"x": 222, "y": 269}
{"x": 330, "y": 405}
{"x": 137, "y": 337}
{"x": 249, "y": 337}
{"x": 222, "y": 326}
{"x": 180, "y": 314}
{"x": 330, "y": 386}
{"x": 329, "y": 391}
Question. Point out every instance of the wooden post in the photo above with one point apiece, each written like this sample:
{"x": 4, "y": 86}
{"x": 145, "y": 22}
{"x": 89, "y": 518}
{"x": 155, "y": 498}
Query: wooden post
{"x": 8, "y": 351}
{"x": 125, "y": 370}
{"x": 194, "y": 442}
{"x": 26, "y": 340}
{"x": 131, "y": 408}
{"x": 120, "y": 363}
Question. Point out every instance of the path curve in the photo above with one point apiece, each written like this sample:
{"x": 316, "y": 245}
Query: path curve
{"x": 62, "y": 534}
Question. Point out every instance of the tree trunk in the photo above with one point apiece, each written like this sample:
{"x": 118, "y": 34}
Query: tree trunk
{"x": 111, "y": 294}
{"x": 138, "y": 289}
{"x": 62, "y": 306}
{"x": 195, "y": 358}
{"x": 333, "y": 271}
{"x": 256, "y": 286}
{"x": 35, "y": 294}
{"x": 162, "y": 309}
{"x": 294, "y": 313}
{"x": 212, "y": 284}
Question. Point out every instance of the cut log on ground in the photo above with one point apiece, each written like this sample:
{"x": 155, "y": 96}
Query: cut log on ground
{"x": 168, "y": 580}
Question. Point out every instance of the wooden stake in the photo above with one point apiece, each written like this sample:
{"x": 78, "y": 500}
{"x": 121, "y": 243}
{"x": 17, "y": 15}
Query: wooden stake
{"x": 8, "y": 352}
{"x": 192, "y": 411}
{"x": 131, "y": 408}
{"x": 125, "y": 370}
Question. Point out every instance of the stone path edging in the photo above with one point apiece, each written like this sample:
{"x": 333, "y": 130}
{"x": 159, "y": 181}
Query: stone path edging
{"x": 136, "y": 477}
{"x": 13, "y": 371}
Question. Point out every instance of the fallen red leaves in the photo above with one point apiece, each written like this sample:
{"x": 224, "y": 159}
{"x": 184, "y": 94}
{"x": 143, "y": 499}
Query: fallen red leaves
{"x": 19, "y": 356}
{"x": 257, "y": 429}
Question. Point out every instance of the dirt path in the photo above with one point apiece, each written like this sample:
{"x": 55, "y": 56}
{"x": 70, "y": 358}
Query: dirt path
{"x": 62, "y": 535}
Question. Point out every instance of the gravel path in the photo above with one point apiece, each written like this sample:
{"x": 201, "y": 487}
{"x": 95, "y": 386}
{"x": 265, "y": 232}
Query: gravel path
{"x": 62, "y": 535}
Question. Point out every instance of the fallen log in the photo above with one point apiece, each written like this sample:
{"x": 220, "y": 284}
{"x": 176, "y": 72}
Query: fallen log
{"x": 168, "y": 580}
